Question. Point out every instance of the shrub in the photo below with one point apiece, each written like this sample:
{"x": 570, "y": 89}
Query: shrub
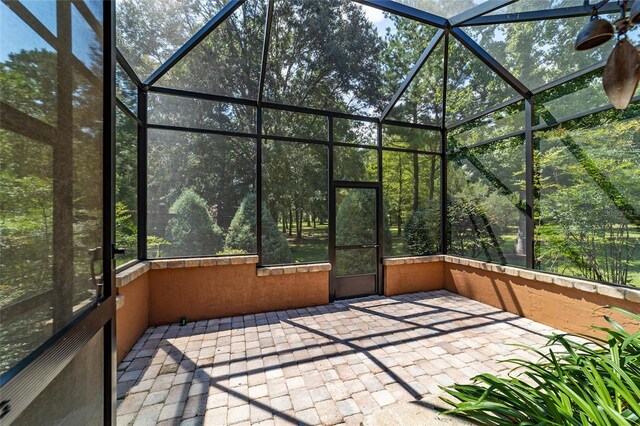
{"x": 191, "y": 230}
{"x": 242, "y": 233}
{"x": 421, "y": 232}
{"x": 596, "y": 382}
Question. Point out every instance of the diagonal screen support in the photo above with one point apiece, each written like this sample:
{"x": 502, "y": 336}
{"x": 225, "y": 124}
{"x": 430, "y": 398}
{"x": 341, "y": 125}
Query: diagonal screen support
{"x": 412, "y": 74}
{"x": 226, "y": 11}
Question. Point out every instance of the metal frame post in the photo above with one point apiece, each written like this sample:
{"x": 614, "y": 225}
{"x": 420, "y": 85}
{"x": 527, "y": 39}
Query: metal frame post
{"x": 529, "y": 178}
{"x": 444, "y": 221}
{"x": 380, "y": 217}
{"x": 109, "y": 202}
{"x": 259, "y": 185}
{"x": 332, "y": 213}
{"x": 142, "y": 173}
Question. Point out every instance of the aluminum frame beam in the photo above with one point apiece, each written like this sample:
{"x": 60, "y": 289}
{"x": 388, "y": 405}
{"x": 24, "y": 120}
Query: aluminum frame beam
{"x": 412, "y": 74}
{"x": 407, "y": 12}
{"x": 479, "y": 10}
{"x": 265, "y": 51}
{"x": 491, "y": 62}
{"x": 219, "y": 18}
{"x": 540, "y": 15}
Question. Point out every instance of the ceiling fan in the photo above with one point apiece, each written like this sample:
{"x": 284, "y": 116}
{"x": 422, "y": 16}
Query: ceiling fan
{"x": 622, "y": 71}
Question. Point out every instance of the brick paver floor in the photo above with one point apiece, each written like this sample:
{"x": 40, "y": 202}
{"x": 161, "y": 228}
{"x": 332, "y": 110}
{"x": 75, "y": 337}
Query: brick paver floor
{"x": 326, "y": 365}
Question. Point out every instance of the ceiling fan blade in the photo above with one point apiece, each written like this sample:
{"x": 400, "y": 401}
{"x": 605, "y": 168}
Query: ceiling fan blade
{"x": 621, "y": 74}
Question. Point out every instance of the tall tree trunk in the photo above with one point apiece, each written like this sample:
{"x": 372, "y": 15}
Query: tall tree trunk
{"x": 432, "y": 178}
{"x": 284, "y": 223}
{"x": 298, "y": 225}
{"x": 416, "y": 178}
{"x": 290, "y": 222}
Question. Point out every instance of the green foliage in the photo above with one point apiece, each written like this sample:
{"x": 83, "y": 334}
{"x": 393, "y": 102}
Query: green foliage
{"x": 126, "y": 234}
{"x": 421, "y": 232}
{"x": 592, "y": 382}
{"x": 588, "y": 216}
{"x": 192, "y": 231}
{"x": 356, "y": 225}
{"x": 242, "y": 233}
{"x": 410, "y": 182}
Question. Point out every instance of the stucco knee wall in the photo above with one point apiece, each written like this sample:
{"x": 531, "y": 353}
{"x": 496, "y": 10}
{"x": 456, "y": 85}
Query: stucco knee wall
{"x": 218, "y": 291}
{"x": 132, "y": 315}
{"x": 566, "y": 308}
{"x": 413, "y": 274}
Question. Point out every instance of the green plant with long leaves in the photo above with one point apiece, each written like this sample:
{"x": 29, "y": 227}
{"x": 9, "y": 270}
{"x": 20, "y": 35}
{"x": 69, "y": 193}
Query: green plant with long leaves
{"x": 590, "y": 381}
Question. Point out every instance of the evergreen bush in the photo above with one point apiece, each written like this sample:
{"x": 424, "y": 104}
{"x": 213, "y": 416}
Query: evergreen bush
{"x": 242, "y": 233}
{"x": 191, "y": 230}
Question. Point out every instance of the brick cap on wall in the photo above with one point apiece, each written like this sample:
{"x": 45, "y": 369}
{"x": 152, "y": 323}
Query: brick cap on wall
{"x": 613, "y": 291}
{"x": 395, "y": 261}
{"x": 292, "y": 269}
{"x": 192, "y": 262}
{"x": 131, "y": 273}
{"x": 126, "y": 276}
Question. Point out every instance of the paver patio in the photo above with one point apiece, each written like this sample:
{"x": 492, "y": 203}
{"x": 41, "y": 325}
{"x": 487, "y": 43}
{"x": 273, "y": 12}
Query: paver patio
{"x": 327, "y": 365}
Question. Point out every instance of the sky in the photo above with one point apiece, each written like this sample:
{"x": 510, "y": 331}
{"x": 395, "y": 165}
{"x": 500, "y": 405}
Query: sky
{"x": 15, "y": 35}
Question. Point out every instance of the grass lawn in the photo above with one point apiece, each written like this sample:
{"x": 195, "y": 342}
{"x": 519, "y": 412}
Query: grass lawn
{"x": 314, "y": 245}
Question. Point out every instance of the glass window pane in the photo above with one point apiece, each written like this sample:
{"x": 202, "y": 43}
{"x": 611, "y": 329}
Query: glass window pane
{"x": 575, "y": 97}
{"x": 95, "y": 6}
{"x": 277, "y": 122}
{"x": 355, "y": 132}
{"x": 502, "y": 122}
{"x": 227, "y": 62}
{"x": 486, "y": 203}
{"x": 411, "y": 195}
{"x": 27, "y": 167}
{"x": 444, "y": 9}
{"x": 197, "y": 113}
{"x": 52, "y": 181}
{"x": 126, "y": 187}
{"x": 356, "y": 262}
{"x": 589, "y": 199}
{"x": 126, "y": 90}
{"x": 410, "y": 138}
{"x": 44, "y": 11}
{"x": 201, "y": 194}
{"x": 535, "y": 53}
{"x": 421, "y": 103}
{"x": 471, "y": 86}
{"x": 294, "y": 218}
{"x": 84, "y": 41}
{"x": 28, "y": 68}
{"x": 148, "y": 32}
{"x": 533, "y": 5}
{"x": 340, "y": 55}
{"x": 355, "y": 164}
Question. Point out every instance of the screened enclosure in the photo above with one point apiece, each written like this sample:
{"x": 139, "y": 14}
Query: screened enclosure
{"x": 243, "y": 128}
{"x": 307, "y": 131}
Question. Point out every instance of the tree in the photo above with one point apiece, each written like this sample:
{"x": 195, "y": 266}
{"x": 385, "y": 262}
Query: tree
{"x": 242, "y": 234}
{"x": 421, "y": 232}
{"x": 192, "y": 231}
